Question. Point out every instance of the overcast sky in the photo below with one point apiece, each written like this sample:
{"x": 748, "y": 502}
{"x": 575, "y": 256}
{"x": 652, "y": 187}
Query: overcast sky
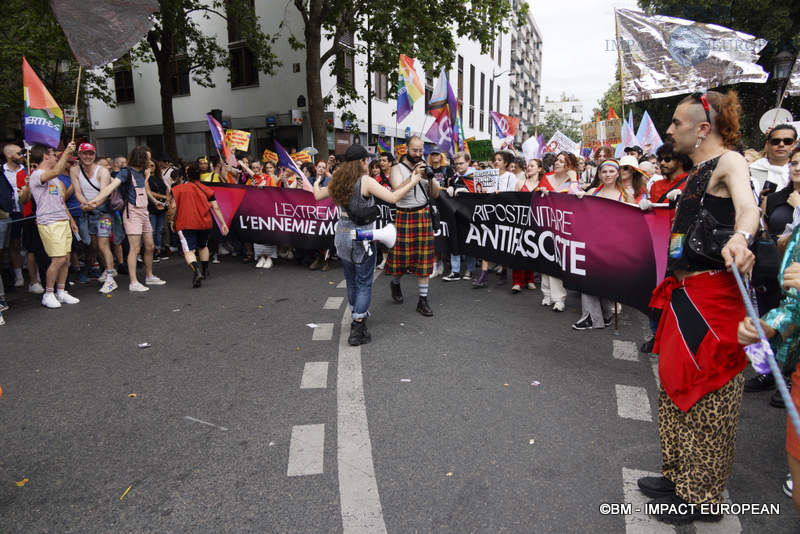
{"x": 575, "y": 58}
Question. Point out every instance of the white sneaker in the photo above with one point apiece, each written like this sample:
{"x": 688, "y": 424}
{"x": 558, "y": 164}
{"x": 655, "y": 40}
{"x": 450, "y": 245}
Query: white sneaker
{"x": 261, "y": 261}
{"x": 2, "y": 321}
{"x": 215, "y": 258}
{"x": 383, "y": 264}
{"x": 267, "y": 264}
{"x": 137, "y": 287}
{"x": 531, "y": 286}
{"x": 65, "y": 298}
{"x": 558, "y": 307}
{"x": 154, "y": 281}
{"x": 290, "y": 255}
{"x": 19, "y": 282}
{"x": 547, "y": 302}
{"x": 36, "y": 288}
{"x": 102, "y": 277}
{"x": 49, "y": 300}
{"x": 109, "y": 285}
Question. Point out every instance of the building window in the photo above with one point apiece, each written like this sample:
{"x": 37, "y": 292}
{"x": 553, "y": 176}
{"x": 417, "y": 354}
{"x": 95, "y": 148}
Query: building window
{"x": 123, "y": 80}
{"x": 180, "y": 77}
{"x": 347, "y": 78}
{"x": 491, "y": 108}
{"x": 498, "y": 98}
{"x": 500, "y": 51}
{"x": 483, "y": 90}
{"x": 380, "y": 86}
{"x": 243, "y": 68}
{"x": 492, "y": 52}
{"x": 428, "y": 93}
{"x": 460, "y": 81}
{"x": 472, "y": 96}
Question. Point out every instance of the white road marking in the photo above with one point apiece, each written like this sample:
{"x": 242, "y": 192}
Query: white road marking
{"x": 323, "y": 332}
{"x": 342, "y": 285}
{"x": 626, "y": 350}
{"x": 358, "y": 488}
{"x": 730, "y": 524}
{"x": 306, "y": 450}
{"x": 315, "y": 375}
{"x": 333, "y": 303}
{"x": 633, "y": 403}
{"x": 640, "y": 522}
{"x": 192, "y": 419}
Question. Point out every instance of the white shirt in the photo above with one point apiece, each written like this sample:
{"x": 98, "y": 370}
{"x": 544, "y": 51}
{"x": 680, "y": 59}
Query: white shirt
{"x": 762, "y": 171}
{"x": 11, "y": 176}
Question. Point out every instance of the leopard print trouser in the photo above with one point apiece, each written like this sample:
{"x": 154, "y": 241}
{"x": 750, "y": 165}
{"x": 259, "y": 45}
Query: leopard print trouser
{"x": 697, "y": 447}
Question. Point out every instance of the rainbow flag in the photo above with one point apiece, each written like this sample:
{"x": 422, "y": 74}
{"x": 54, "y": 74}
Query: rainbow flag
{"x": 410, "y": 87}
{"x": 383, "y": 148}
{"x": 43, "y": 118}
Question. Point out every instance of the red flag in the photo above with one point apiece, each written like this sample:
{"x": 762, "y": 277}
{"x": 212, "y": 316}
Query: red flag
{"x": 597, "y": 117}
{"x": 611, "y": 113}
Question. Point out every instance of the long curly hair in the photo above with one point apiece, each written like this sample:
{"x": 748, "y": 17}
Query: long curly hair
{"x": 344, "y": 177}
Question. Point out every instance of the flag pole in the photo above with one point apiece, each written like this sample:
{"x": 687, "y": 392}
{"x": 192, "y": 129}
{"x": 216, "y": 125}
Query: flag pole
{"x": 77, "y": 92}
{"x": 619, "y": 63}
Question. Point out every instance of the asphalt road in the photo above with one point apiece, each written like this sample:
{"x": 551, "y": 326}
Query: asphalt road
{"x": 491, "y": 416}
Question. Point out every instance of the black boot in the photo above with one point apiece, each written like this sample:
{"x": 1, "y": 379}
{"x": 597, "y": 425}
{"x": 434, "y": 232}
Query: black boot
{"x": 204, "y": 268}
{"x": 358, "y": 333}
{"x": 365, "y": 335}
{"x": 197, "y": 275}
{"x": 397, "y": 292}
{"x": 502, "y": 278}
{"x": 423, "y": 308}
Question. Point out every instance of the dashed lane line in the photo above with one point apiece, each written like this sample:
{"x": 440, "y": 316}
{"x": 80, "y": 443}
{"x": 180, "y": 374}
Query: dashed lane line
{"x": 306, "y": 450}
{"x": 333, "y": 303}
{"x": 633, "y": 403}
{"x": 626, "y": 350}
{"x": 323, "y": 332}
{"x": 315, "y": 375}
{"x": 640, "y": 522}
{"x": 342, "y": 285}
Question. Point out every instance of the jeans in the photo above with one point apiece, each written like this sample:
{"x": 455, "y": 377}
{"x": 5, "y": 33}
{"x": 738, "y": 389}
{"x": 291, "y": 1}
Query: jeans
{"x": 358, "y": 277}
{"x": 455, "y": 263}
{"x": 157, "y": 222}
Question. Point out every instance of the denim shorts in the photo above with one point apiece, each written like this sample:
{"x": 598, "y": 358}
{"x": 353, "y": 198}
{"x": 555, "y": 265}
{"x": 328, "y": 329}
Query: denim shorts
{"x": 94, "y": 223}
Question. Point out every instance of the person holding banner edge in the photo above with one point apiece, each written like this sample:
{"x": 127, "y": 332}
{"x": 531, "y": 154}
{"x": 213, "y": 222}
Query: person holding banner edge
{"x": 700, "y": 358}
{"x": 352, "y": 189}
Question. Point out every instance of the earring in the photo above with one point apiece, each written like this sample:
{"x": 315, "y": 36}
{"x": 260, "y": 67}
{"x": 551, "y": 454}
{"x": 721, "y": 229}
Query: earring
{"x": 699, "y": 141}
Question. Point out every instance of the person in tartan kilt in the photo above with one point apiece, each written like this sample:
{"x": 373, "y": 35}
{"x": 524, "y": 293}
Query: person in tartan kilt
{"x": 414, "y": 249}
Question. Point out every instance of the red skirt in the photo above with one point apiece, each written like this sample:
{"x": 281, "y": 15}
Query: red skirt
{"x": 413, "y": 250}
{"x": 696, "y": 339}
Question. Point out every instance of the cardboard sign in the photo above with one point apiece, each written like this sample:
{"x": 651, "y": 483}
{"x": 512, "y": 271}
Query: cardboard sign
{"x": 481, "y": 150}
{"x": 597, "y": 134}
{"x": 269, "y": 155}
{"x": 486, "y": 180}
{"x": 237, "y": 139}
{"x": 561, "y": 143}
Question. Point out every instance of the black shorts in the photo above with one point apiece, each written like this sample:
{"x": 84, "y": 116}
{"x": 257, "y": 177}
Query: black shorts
{"x": 16, "y": 227}
{"x": 30, "y": 236}
{"x": 193, "y": 239}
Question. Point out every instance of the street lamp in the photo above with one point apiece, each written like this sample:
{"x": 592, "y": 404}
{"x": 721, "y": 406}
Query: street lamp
{"x": 782, "y": 66}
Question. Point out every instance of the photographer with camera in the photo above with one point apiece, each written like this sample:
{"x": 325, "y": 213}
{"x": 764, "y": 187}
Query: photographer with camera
{"x": 354, "y": 191}
{"x": 414, "y": 249}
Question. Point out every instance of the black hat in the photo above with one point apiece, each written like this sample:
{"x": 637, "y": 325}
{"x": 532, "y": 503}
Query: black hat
{"x": 355, "y": 153}
{"x": 635, "y": 148}
{"x": 435, "y": 150}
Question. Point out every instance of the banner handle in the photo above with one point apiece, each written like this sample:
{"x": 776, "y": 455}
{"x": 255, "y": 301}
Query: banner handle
{"x": 77, "y": 92}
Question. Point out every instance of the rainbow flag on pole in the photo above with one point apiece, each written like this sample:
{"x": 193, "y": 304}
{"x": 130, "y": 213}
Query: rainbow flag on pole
{"x": 383, "y": 148}
{"x": 43, "y": 118}
{"x": 410, "y": 87}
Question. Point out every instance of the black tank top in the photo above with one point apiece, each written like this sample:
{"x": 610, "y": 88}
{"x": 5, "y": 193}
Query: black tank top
{"x": 692, "y": 200}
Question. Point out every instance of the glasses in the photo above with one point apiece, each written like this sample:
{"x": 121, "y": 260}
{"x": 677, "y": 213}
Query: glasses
{"x": 626, "y": 167}
{"x": 703, "y": 99}
{"x": 665, "y": 159}
{"x": 788, "y": 141}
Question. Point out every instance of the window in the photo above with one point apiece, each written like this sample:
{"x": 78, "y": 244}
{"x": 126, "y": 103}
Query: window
{"x": 500, "y": 51}
{"x": 123, "y": 80}
{"x": 243, "y": 67}
{"x": 498, "y": 98}
{"x": 428, "y": 93}
{"x": 180, "y": 76}
{"x": 483, "y": 90}
{"x": 348, "y": 77}
{"x": 492, "y": 52}
{"x": 472, "y": 96}
{"x": 381, "y": 86}
{"x": 491, "y": 108}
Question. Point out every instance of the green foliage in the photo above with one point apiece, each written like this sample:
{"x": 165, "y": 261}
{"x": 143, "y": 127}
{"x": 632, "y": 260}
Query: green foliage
{"x": 553, "y": 120}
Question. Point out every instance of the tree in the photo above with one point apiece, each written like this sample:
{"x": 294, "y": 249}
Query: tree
{"x": 177, "y": 37}
{"x": 37, "y": 35}
{"x": 556, "y": 121}
{"x": 423, "y": 29}
{"x": 779, "y": 23}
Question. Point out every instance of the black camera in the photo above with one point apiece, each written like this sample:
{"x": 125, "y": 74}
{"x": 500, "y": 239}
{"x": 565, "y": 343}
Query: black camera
{"x": 429, "y": 172}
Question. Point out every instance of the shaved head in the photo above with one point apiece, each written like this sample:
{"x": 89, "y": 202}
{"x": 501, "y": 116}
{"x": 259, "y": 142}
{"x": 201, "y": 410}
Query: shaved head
{"x": 10, "y": 150}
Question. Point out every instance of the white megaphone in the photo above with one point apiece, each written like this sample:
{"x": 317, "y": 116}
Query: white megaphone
{"x": 386, "y": 235}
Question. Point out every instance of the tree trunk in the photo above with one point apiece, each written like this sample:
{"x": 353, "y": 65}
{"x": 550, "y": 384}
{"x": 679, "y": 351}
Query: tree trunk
{"x": 167, "y": 114}
{"x": 316, "y": 107}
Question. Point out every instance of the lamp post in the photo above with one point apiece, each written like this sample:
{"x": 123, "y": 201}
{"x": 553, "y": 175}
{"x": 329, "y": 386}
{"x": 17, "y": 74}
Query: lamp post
{"x": 781, "y": 70}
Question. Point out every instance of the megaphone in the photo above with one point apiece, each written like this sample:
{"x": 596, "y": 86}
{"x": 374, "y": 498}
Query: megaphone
{"x": 386, "y": 235}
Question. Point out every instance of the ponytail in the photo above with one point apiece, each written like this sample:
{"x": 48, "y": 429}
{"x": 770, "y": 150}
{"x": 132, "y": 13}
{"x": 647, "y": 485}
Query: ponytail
{"x": 728, "y": 111}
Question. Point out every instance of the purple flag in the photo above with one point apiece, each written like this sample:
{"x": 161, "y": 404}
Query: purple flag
{"x": 285, "y": 160}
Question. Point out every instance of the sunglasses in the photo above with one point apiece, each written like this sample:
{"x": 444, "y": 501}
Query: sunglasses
{"x": 788, "y": 141}
{"x": 703, "y": 99}
{"x": 665, "y": 159}
{"x": 626, "y": 167}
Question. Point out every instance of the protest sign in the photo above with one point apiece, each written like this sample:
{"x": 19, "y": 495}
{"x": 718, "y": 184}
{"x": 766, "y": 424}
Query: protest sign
{"x": 561, "y": 143}
{"x": 485, "y": 181}
{"x": 481, "y": 150}
{"x": 237, "y": 139}
{"x": 269, "y": 155}
{"x": 597, "y": 134}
